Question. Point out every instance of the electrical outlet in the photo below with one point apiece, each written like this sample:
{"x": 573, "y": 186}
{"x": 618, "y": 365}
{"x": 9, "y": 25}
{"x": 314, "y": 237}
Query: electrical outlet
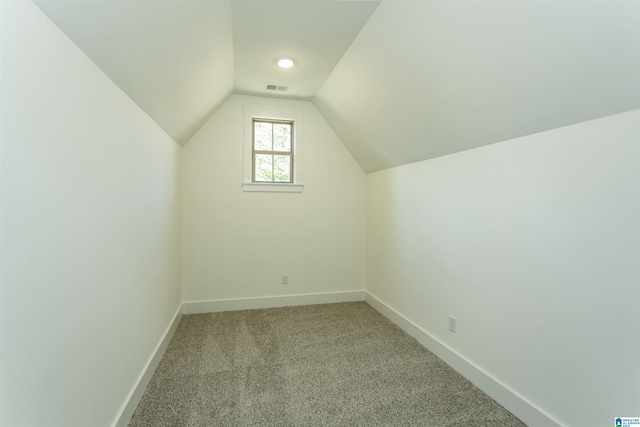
{"x": 285, "y": 279}
{"x": 452, "y": 324}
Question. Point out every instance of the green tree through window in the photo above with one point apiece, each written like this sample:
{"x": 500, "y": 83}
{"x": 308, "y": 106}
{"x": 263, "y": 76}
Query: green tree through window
{"x": 272, "y": 151}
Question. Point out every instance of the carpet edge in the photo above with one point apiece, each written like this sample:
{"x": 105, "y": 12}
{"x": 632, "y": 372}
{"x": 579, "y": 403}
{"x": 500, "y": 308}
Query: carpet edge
{"x": 133, "y": 399}
{"x": 213, "y": 306}
{"x": 526, "y": 411}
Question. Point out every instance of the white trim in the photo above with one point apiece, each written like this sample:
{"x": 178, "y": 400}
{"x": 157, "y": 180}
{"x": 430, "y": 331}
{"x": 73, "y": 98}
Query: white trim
{"x": 213, "y": 306}
{"x": 284, "y": 187}
{"x": 505, "y": 396}
{"x": 272, "y": 112}
{"x": 132, "y": 400}
{"x": 511, "y": 400}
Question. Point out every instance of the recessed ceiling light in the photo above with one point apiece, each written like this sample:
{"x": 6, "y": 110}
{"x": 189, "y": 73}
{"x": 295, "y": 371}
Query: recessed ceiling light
{"x": 285, "y": 63}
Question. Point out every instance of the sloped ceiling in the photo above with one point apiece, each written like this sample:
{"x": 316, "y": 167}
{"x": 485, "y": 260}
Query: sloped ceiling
{"x": 173, "y": 58}
{"x": 399, "y": 81}
{"x": 179, "y": 60}
{"x": 426, "y": 79}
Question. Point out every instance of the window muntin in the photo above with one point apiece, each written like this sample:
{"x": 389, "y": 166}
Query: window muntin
{"x": 272, "y": 151}
{"x": 264, "y": 112}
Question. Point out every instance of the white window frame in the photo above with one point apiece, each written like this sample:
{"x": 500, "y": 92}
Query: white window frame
{"x": 272, "y": 112}
{"x": 273, "y": 152}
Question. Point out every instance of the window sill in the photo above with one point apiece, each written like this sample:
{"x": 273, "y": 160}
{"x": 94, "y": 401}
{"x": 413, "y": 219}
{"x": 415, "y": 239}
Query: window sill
{"x": 272, "y": 188}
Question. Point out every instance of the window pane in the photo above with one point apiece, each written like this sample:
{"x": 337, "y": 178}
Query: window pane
{"x": 263, "y": 136}
{"x": 264, "y": 168}
{"x": 281, "y": 137}
{"x": 282, "y": 168}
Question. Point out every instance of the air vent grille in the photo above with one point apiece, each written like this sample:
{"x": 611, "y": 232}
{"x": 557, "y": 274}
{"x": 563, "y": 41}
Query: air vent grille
{"x": 270, "y": 86}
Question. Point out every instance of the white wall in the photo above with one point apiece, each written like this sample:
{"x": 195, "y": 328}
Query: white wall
{"x": 237, "y": 244}
{"x": 90, "y": 231}
{"x": 534, "y": 245}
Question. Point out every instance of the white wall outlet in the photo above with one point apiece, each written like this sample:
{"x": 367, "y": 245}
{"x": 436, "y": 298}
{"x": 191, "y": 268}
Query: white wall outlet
{"x": 452, "y": 324}
{"x": 285, "y": 279}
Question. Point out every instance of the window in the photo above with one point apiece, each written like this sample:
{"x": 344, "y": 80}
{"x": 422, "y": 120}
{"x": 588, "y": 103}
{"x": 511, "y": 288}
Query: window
{"x": 272, "y": 149}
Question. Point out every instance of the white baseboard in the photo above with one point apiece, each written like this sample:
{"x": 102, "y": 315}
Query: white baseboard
{"x": 131, "y": 403}
{"x": 512, "y": 401}
{"x": 194, "y": 307}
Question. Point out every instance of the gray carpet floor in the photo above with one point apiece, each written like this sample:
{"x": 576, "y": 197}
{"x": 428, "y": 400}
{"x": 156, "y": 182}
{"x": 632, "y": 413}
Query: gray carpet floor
{"x": 321, "y": 365}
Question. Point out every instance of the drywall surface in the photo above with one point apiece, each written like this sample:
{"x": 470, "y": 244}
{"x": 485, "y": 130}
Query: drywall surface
{"x": 533, "y": 245}
{"x": 172, "y": 58}
{"x": 238, "y": 244}
{"x": 428, "y": 78}
{"x": 90, "y": 231}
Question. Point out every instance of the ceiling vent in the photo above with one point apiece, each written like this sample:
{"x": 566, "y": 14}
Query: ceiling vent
{"x": 279, "y": 88}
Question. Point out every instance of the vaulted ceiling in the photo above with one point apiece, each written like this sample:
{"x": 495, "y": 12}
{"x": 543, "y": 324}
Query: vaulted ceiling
{"x": 399, "y": 81}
